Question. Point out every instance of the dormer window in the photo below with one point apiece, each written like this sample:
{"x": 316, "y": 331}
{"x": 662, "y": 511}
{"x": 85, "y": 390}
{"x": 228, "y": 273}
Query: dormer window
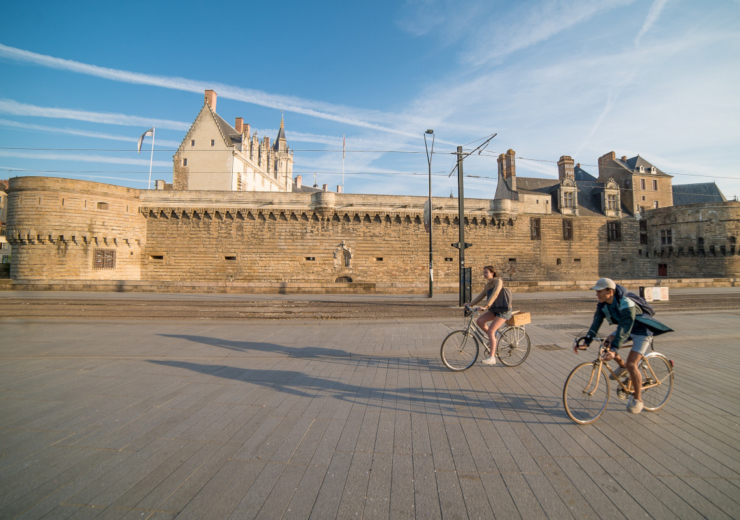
{"x": 653, "y": 170}
{"x": 642, "y": 169}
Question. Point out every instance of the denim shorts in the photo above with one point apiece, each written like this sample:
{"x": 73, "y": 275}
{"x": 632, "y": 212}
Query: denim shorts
{"x": 641, "y": 344}
{"x": 505, "y": 315}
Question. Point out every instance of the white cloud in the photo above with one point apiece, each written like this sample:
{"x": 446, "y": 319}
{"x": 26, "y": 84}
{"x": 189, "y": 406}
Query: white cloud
{"x": 652, "y": 17}
{"x": 81, "y": 133}
{"x": 82, "y": 158}
{"x": 340, "y": 114}
{"x": 9, "y": 106}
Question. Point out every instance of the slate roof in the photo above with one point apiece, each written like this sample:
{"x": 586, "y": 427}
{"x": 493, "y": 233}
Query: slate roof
{"x": 305, "y": 189}
{"x": 636, "y": 162}
{"x": 696, "y": 193}
{"x": 228, "y": 130}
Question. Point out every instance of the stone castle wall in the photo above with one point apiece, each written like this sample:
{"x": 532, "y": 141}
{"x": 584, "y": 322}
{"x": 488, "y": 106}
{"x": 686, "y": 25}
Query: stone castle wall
{"x": 56, "y": 226}
{"x": 703, "y": 239}
{"x": 229, "y": 237}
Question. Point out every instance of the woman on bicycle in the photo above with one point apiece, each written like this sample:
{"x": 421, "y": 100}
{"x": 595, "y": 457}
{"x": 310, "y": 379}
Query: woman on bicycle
{"x": 496, "y": 317}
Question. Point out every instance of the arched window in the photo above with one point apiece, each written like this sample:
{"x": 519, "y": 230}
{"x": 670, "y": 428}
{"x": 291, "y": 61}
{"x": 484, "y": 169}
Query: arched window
{"x": 347, "y": 258}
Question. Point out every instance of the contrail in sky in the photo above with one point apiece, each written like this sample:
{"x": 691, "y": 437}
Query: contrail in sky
{"x": 9, "y": 106}
{"x": 287, "y": 103}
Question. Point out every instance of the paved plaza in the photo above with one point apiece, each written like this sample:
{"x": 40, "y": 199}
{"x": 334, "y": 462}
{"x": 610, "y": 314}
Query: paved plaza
{"x": 351, "y": 419}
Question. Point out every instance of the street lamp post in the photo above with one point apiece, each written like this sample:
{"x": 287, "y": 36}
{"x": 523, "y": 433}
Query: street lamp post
{"x": 429, "y": 162}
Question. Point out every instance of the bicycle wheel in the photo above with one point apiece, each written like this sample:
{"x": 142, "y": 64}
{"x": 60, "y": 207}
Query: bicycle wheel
{"x": 657, "y": 370}
{"x": 459, "y": 350}
{"x": 513, "y": 347}
{"x": 586, "y": 393}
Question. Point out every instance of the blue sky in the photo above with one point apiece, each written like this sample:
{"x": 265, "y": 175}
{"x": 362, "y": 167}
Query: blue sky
{"x": 80, "y": 82}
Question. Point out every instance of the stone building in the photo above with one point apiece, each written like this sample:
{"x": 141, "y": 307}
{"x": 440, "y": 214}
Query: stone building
{"x": 79, "y": 234}
{"x": 216, "y": 156}
{"x": 4, "y": 245}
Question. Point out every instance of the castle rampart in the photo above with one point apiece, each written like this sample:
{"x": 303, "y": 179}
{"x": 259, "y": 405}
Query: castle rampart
{"x": 59, "y": 228}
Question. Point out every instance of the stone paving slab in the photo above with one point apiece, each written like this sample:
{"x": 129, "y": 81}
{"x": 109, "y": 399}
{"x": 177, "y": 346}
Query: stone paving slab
{"x": 351, "y": 420}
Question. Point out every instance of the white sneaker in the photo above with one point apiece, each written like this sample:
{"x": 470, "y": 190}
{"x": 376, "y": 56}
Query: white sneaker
{"x": 634, "y": 406}
{"x": 489, "y": 360}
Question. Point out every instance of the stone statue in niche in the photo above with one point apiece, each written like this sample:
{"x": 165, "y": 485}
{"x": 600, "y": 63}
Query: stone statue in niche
{"x": 343, "y": 256}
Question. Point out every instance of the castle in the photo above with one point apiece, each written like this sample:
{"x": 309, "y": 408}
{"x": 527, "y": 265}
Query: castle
{"x": 219, "y": 157}
{"x": 235, "y": 220}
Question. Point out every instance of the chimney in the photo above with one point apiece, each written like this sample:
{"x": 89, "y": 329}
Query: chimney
{"x": 299, "y": 181}
{"x": 326, "y": 187}
{"x": 624, "y": 158}
{"x": 239, "y": 125}
{"x": 246, "y": 131}
{"x": 565, "y": 168}
{"x": 211, "y": 98}
{"x": 339, "y": 188}
{"x": 578, "y": 165}
{"x": 507, "y": 167}
{"x": 604, "y": 172}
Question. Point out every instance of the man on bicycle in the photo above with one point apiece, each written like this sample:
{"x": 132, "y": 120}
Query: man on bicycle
{"x": 617, "y": 308}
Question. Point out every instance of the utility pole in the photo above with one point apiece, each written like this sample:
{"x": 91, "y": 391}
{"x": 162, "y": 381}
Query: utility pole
{"x": 461, "y": 218}
{"x": 431, "y": 218}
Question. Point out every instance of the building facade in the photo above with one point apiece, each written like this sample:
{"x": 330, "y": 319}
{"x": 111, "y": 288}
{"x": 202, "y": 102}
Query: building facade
{"x": 63, "y": 229}
{"x": 215, "y": 156}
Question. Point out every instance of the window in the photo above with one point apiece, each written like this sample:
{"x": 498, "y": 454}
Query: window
{"x": 662, "y": 269}
{"x": 184, "y": 162}
{"x": 4, "y": 245}
{"x": 568, "y": 199}
{"x": 231, "y": 258}
{"x": 102, "y": 205}
{"x": 534, "y": 228}
{"x": 156, "y": 257}
{"x": 611, "y": 202}
{"x": 6, "y": 259}
{"x": 643, "y": 197}
{"x": 700, "y": 244}
{"x": 378, "y": 258}
{"x": 512, "y": 260}
{"x": 655, "y": 204}
{"x": 537, "y": 201}
{"x": 192, "y": 142}
{"x": 643, "y": 232}
{"x": 642, "y": 184}
{"x": 558, "y": 262}
{"x": 568, "y": 229}
{"x": 627, "y": 184}
{"x": 666, "y": 238}
{"x": 213, "y": 142}
{"x": 614, "y": 231}
{"x": 577, "y": 260}
{"x": 104, "y": 259}
{"x": 655, "y": 185}
{"x": 310, "y": 259}
{"x": 448, "y": 259}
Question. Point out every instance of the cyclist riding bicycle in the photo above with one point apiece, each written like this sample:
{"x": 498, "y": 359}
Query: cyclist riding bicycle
{"x": 617, "y": 307}
{"x": 497, "y": 309}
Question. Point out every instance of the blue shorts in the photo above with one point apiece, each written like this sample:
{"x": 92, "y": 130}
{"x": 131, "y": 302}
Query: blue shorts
{"x": 505, "y": 315}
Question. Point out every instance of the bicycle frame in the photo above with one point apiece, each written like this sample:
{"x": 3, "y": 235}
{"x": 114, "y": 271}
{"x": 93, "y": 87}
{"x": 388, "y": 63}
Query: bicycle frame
{"x": 481, "y": 336}
{"x": 599, "y": 362}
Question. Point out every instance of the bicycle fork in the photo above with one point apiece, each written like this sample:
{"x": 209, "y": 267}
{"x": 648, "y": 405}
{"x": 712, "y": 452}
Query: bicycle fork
{"x": 597, "y": 370}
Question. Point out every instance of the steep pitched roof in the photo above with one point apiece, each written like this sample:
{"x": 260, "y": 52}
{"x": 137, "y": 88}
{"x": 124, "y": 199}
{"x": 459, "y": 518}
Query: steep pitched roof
{"x": 583, "y": 175}
{"x": 228, "y": 131}
{"x": 636, "y": 162}
{"x": 281, "y": 133}
{"x": 696, "y": 193}
{"x": 534, "y": 185}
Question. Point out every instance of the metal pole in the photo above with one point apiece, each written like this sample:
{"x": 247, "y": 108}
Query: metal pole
{"x": 461, "y": 218}
{"x": 151, "y": 159}
{"x": 431, "y": 220}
